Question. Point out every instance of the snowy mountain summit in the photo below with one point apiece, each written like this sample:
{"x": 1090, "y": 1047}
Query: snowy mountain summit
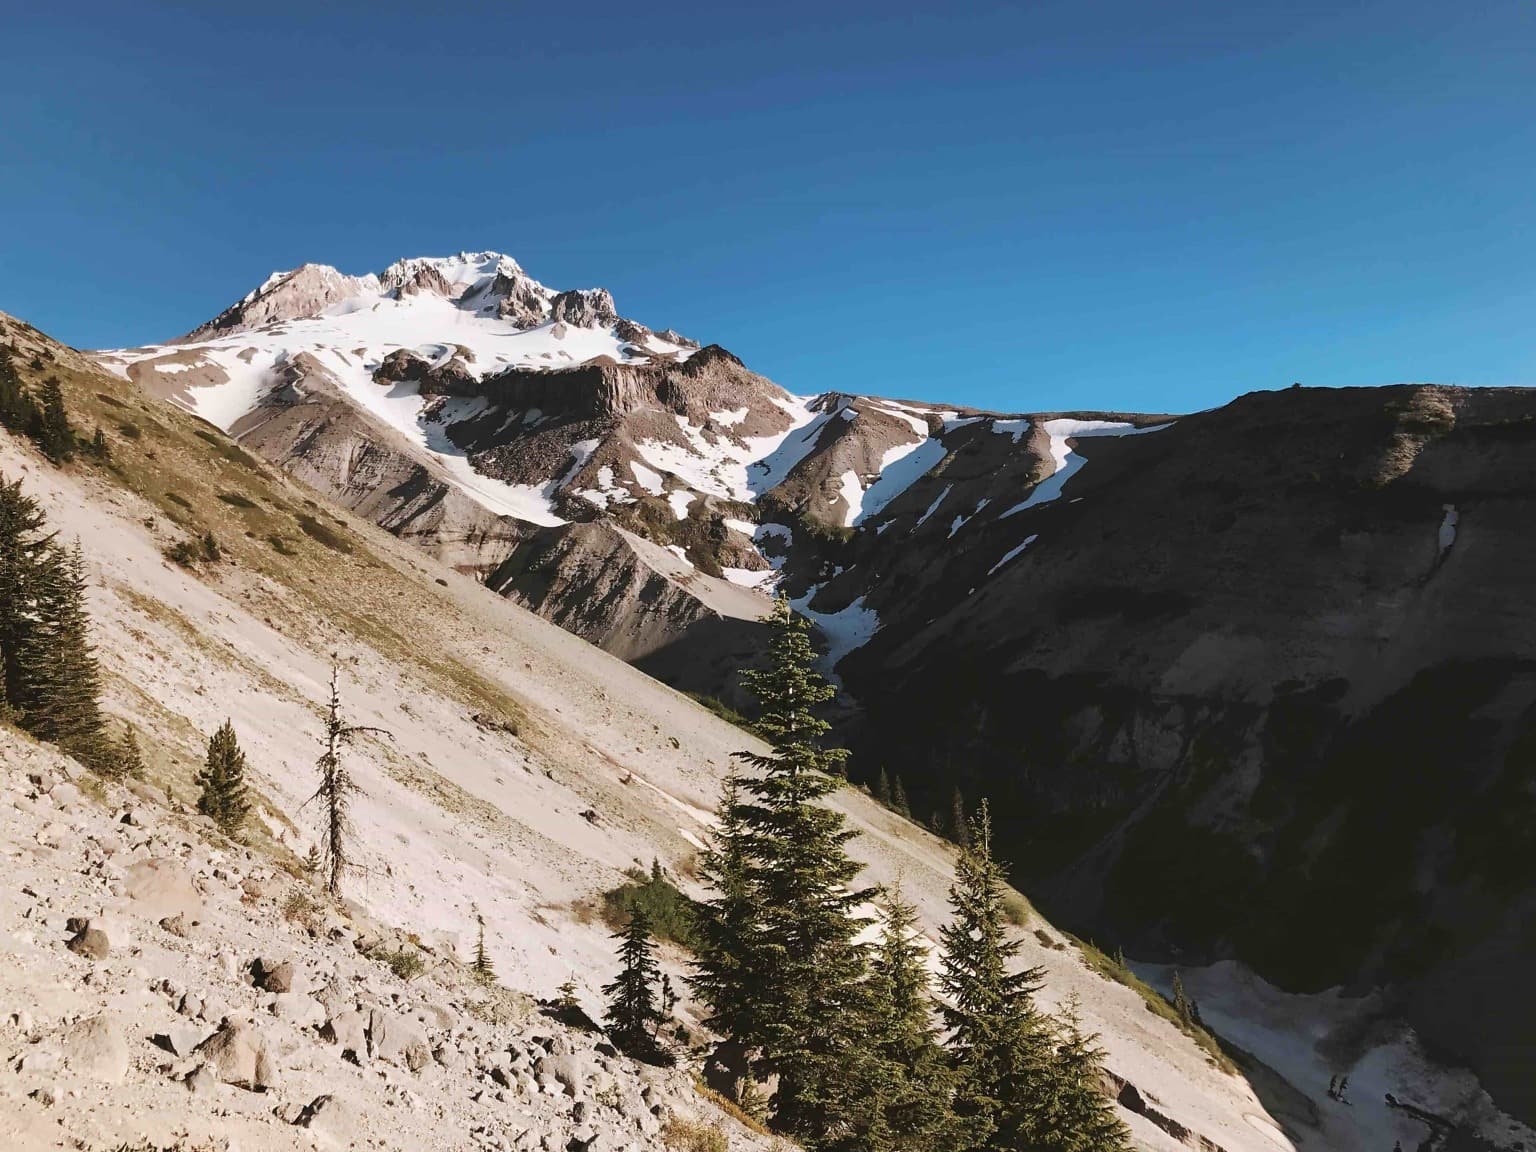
{"x": 463, "y": 402}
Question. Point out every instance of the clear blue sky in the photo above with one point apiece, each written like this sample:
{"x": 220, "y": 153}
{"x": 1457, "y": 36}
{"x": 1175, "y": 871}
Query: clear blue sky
{"x": 1130, "y": 205}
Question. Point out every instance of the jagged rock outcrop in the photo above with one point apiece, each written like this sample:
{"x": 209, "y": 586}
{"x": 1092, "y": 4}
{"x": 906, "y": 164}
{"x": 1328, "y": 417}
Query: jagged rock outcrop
{"x": 585, "y": 308}
{"x": 306, "y": 291}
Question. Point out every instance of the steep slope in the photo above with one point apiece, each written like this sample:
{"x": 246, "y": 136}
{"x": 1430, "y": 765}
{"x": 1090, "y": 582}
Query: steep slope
{"x": 524, "y": 769}
{"x": 1261, "y": 685}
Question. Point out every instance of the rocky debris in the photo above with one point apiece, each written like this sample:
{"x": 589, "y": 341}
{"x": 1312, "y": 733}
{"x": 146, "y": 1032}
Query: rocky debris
{"x": 176, "y": 925}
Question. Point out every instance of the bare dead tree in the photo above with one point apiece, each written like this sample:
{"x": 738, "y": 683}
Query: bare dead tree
{"x": 336, "y": 788}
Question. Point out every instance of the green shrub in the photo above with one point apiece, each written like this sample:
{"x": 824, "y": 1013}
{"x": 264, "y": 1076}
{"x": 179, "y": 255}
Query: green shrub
{"x": 281, "y": 546}
{"x": 178, "y": 498}
{"x": 683, "y": 1135}
{"x": 405, "y": 963}
{"x": 236, "y": 500}
{"x": 130, "y": 430}
{"x": 723, "y": 710}
{"x": 670, "y": 911}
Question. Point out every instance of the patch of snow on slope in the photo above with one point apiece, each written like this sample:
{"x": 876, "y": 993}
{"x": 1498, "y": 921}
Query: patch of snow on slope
{"x": 961, "y": 520}
{"x": 1447, "y": 535}
{"x": 680, "y": 499}
{"x": 846, "y": 629}
{"x": 761, "y": 578}
{"x": 1014, "y": 428}
{"x": 900, "y": 467}
{"x": 647, "y": 478}
{"x": 1068, "y": 462}
{"x": 902, "y": 412}
{"x": 745, "y": 527}
{"x": 732, "y": 470}
{"x": 729, "y": 418}
{"x": 852, "y": 494}
{"x": 1309, "y": 1037}
{"x": 1012, "y": 552}
{"x": 934, "y": 507}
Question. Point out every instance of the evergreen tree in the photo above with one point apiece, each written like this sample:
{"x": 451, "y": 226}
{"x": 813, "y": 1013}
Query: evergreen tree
{"x": 61, "y": 682}
{"x": 882, "y": 787}
{"x": 312, "y": 861}
{"x": 959, "y": 822}
{"x": 482, "y": 967}
{"x": 632, "y": 1014}
{"x": 1181, "y": 1003}
{"x": 125, "y": 761}
{"x": 999, "y": 1042}
{"x": 915, "y": 1084}
{"x": 222, "y": 780}
{"x": 789, "y": 989}
{"x": 726, "y": 974}
{"x": 99, "y": 446}
{"x": 54, "y": 433}
{"x": 336, "y": 788}
{"x": 899, "y": 799}
{"x": 23, "y": 544}
{"x": 1076, "y": 1114}
{"x": 18, "y": 411}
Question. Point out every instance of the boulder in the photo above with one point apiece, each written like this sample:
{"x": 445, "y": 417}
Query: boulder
{"x": 397, "y": 1040}
{"x": 272, "y": 975}
{"x": 159, "y": 887}
{"x": 329, "y": 1119}
{"x": 237, "y": 1054}
{"x": 95, "y": 1048}
{"x": 348, "y": 1030}
{"x": 90, "y": 941}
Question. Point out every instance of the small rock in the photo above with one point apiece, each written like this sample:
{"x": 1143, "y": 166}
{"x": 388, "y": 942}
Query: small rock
{"x": 329, "y": 1119}
{"x": 272, "y": 975}
{"x": 43, "y": 1096}
{"x": 90, "y": 941}
{"x": 176, "y": 925}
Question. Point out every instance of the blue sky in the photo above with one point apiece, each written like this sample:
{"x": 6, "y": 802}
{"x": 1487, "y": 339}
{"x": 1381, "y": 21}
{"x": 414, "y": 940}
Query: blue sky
{"x": 1019, "y": 206}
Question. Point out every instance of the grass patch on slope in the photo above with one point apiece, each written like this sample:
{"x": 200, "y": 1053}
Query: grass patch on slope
{"x": 1108, "y": 968}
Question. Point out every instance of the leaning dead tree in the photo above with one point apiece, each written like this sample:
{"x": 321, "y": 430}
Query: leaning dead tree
{"x": 336, "y": 788}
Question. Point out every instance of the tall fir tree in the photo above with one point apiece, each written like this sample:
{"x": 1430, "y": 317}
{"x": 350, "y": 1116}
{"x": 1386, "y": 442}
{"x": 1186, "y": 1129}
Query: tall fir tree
{"x": 1181, "y": 1002}
{"x": 1074, "y": 1112}
{"x": 899, "y": 802}
{"x": 959, "y": 822}
{"x": 632, "y": 1014}
{"x": 61, "y": 681}
{"x": 336, "y": 788}
{"x": 793, "y": 995}
{"x": 484, "y": 970}
{"x": 1000, "y": 1043}
{"x": 55, "y": 435}
{"x": 222, "y": 780}
{"x": 124, "y": 760}
{"x": 915, "y": 1083}
{"x": 23, "y": 544}
{"x": 882, "y": 787}
{"x": 727, "y": 974}
{"x": 18, "y": 410}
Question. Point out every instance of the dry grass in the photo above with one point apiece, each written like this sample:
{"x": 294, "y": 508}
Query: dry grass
{"x": 693, "y": 1136}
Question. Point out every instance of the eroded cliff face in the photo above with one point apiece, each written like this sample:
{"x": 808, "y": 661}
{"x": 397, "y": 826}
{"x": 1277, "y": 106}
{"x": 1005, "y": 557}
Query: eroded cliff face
{"x": 1265, "y": 685}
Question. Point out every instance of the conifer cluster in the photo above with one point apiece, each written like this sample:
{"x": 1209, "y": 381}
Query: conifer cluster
{"x": 222, "y": 780}
{"x": 44, "y": 419}
{"x": 849, "y": 1030}
{"x": 50, "y": 680}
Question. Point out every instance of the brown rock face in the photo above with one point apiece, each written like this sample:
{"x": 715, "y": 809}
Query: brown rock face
{"x": 585, "y": 308}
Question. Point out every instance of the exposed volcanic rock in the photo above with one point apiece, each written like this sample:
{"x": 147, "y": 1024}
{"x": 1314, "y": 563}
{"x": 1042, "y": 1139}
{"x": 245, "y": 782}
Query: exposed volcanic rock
{"x": 305, "y": 291}
{"x": 519, "y": 299}
{"x": 409, "y": 279}
{"x": 585, "y": 308}
{"x": 450, "y": 377}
